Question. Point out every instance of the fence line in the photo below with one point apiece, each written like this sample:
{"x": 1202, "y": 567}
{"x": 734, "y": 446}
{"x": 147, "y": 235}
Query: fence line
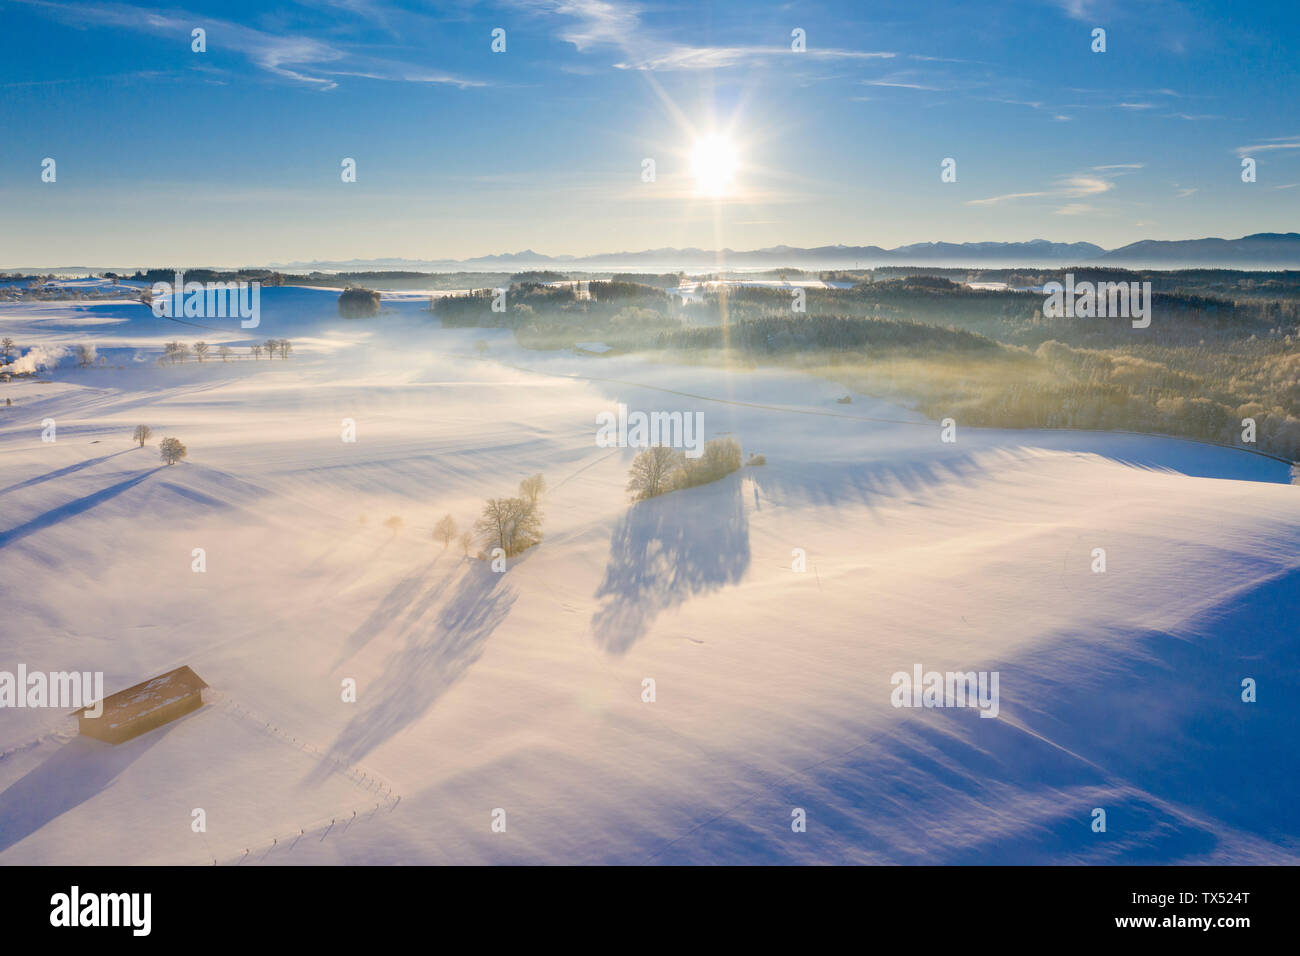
{"x": 386, "y": 798}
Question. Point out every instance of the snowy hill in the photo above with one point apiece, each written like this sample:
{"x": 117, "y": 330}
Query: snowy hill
{"x": 523, "y": 691}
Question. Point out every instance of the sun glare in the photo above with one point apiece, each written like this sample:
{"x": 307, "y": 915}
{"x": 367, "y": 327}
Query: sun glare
{"x": 713, "y": 161}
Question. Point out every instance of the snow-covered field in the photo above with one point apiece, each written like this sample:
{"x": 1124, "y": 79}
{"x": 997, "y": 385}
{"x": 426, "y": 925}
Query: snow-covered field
{"x": 522, "y": 692}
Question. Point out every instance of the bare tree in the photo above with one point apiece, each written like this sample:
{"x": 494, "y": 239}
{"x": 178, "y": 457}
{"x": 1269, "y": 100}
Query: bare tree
{"x": 270, "y": 345}
{"x": 201, "y": 350}
{"x": 394, "y": 523}
{"x": 720, "y": 458}
{"x": 493, "y": 526}
{"x": 652, "y": 472}
{"x": 171, "y": 450}
{"x": 6, "y": 348}
{"x": 445, "y": 531}
{"x": 466, "y": 542}
{"x": 285, "y": 348}
{"x": 532, "y": 488}
{"x": 141, "y": 434}
{"x": 256, "y": 350}
{"x": 511, "y": 524}
{"x": 224, "y": 352}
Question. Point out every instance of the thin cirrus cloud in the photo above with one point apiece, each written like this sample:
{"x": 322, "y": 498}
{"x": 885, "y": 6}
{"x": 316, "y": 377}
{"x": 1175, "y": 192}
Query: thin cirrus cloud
{"x": 903, "y": 85}
{"x": 299, "y": 59}
{"x": 1279, "y": 142}
{"x": 1068, "y": 187}
{"x": 710, "y": 58}
{"x": 595, "y": 24}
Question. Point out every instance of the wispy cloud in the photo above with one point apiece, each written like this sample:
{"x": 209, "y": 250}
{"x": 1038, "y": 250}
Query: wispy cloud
{"x": 899, "y": 84}
{"x": 1078, "y": 9}
{"x": 1068, "y": 187}
{"x": 599, "y": 24}
{"x": 300, "y": 59}
{"x": 717, "y": 57}
{"x": 1280, "y": 142}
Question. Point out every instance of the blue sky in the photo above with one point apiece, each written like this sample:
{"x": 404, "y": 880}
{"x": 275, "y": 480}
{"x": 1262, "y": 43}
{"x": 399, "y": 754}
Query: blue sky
{"x": 232, "y": 156}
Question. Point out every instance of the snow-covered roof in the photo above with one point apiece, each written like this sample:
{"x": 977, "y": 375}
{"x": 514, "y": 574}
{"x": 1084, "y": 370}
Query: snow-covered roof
{"x": 147, "y": 696}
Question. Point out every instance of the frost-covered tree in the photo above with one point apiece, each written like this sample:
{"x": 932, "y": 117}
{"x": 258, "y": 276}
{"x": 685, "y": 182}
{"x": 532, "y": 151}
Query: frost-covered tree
{"x": 171, "y": 450}
{"x": 512, "y": 524}
{"x": 445, "y": 530}
{"x": 141, "y": 434}
{"x": 532, "y": 488}
{"x": 653, "y": 472}
{"x": 201, "y": 350}
{"x": 720, "y": 458}
{"x": 224, "y": 352}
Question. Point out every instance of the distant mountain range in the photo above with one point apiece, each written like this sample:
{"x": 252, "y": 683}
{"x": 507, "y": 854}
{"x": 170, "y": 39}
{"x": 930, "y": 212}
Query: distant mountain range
{"x": 1265, "y": 250}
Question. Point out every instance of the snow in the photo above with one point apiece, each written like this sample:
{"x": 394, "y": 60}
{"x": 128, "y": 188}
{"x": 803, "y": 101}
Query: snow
{"x": 523, "y": 691}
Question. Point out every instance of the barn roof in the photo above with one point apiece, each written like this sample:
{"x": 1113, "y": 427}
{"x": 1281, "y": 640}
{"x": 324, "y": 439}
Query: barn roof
{"x": 147, "y": 696}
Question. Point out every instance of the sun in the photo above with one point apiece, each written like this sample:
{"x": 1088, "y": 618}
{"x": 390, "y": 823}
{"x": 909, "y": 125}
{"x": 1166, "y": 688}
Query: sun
{"x": 714, "y": 162}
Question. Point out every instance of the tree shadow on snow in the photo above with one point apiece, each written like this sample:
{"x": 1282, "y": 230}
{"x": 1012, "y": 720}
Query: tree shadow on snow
{"x": 73, "y": 508}
{"x": 666, "y": 550}
{"x": 68, "y": 470}
{"x": 832, "y": 484}
{"x": 432, "y": 660}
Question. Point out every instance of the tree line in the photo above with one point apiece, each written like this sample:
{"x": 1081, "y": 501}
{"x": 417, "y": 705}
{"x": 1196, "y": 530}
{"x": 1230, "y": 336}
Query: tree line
{"x": 659, "y": 469}
{"x": 178, "y": 352}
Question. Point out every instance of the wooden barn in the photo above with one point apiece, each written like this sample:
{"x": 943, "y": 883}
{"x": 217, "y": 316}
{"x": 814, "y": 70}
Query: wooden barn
{"x": 147, "y": 705}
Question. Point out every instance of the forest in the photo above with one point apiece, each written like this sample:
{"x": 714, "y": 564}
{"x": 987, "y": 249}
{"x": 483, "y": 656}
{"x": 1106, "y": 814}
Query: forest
{"x": 1220, "y": 361}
